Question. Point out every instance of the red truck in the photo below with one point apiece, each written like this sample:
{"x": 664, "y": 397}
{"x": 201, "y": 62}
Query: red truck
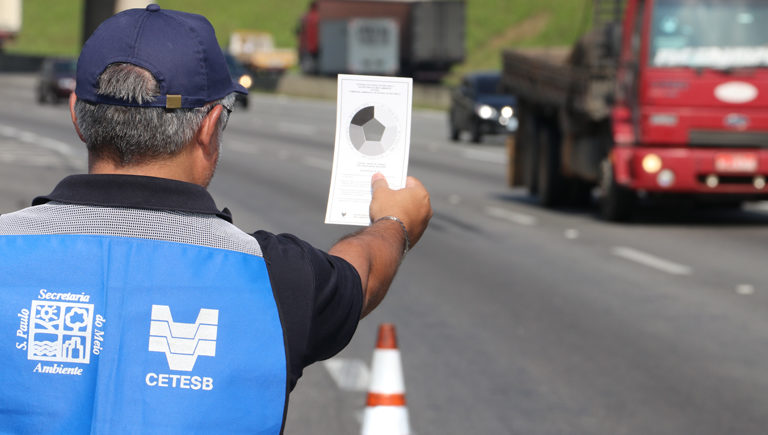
{"x": 661, "y": 99}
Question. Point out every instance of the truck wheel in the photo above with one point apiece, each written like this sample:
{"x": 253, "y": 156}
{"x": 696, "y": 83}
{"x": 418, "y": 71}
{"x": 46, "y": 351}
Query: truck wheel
{"x": 578, "y": 192}
{"x": 616, "y": 201}
{"x": 525, "y": 146}
{"x": 549, "y": 180}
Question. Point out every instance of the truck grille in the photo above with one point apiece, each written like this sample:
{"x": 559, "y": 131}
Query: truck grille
{"x": 716, "y": 138}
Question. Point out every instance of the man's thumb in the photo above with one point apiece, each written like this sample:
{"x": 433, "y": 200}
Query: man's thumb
{"x": 378, "y": 181}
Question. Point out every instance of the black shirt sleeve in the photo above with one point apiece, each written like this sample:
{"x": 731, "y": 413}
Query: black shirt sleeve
{"x": 320, "y": 298}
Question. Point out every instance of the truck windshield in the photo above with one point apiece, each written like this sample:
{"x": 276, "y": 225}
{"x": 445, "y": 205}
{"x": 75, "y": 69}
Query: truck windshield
{"x": 717, "y": 34}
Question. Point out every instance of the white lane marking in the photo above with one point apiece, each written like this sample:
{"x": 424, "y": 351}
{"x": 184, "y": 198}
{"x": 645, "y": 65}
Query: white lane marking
{"x": 652, "y": 261}
{"x": 512, "y": 216}
{"x": 571, "y": 234}
{"x": 26, "y": 136}
{"x": 8, "y": 131}
{"x": 484, "y": 156}
{"x": 348, "y": 374}
{"x": 316, "y": 162}
{"x": 745, "y": 289}
{"x": 47, "y": 143}
{"x": 55, "y": 145}
{"x": 305, "y": 130}
{"x": 761, "y": 206}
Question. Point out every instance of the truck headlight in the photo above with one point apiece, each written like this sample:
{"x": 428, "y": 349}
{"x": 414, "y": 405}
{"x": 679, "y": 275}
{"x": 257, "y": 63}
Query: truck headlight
{"x": 507, "y": 112}
{"x": 651, "y": 163}
{"x": 485, "y": 111}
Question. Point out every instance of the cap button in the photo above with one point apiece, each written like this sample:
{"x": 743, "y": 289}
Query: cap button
{"x": 153, "y": 7}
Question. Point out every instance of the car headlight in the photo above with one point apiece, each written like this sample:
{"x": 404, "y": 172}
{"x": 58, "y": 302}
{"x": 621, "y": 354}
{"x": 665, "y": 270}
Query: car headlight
{"x": 67, "y": 83}
{"x": 507, "y": 112}
{"x": 245, "y": 81}
{"x": 485, "y": 111}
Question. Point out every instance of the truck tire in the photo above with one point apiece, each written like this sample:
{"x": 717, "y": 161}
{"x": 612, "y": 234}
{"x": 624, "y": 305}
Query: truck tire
{"x": 578, "y": 193}
{"x": 616, "y": 201}
{"x": 549, "y": 180}
{"x": 526, "y": 144}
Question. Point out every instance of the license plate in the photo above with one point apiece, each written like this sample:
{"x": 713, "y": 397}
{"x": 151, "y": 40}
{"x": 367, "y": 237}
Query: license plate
{"x": 736, "y": 162}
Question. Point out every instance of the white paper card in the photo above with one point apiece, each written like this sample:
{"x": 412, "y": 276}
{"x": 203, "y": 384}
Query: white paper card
{"x": 373, "y": 134}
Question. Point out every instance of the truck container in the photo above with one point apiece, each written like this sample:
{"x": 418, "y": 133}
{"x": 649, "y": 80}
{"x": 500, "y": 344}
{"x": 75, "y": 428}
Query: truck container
{"x": 419, "y": 38}
{"x": 662, "y": 99}
{"x": 10, "y": 20}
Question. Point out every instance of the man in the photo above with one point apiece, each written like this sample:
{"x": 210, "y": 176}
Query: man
{"x": 133, "y": 303}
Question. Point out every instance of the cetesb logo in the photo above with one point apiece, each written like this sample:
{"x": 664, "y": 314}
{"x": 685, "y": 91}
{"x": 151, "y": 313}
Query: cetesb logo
{"x": 182, "y": 343}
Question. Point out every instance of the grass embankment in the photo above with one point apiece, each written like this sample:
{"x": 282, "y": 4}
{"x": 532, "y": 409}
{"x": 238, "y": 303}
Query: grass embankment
{"x": 53, "y": 27}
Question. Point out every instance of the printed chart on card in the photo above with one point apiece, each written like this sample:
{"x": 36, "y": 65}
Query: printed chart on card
{"x": 373, "y": 134}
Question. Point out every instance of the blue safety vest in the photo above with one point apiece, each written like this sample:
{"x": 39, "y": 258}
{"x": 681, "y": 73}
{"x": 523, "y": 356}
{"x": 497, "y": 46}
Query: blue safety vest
{"x": 112, "y": 334}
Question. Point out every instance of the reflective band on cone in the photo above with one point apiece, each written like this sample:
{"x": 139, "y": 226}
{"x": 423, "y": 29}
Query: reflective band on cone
{"x": 385, "y": 412}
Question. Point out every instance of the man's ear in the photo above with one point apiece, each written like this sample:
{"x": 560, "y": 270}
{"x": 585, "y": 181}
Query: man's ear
{"x": 72, "y": 99}
{"x": 206, "y": 134}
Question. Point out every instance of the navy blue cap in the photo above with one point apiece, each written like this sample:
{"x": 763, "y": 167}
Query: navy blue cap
{"x": 179, "y": 49}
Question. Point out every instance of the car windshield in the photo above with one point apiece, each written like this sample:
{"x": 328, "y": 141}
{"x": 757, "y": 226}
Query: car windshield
{"x": 487, "y": 85}
{"x": 65, "y": 66}
{"x": 709, "y": 34}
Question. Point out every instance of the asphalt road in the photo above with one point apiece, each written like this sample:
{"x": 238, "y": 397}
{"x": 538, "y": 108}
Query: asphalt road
{"x": 512, "y": 319}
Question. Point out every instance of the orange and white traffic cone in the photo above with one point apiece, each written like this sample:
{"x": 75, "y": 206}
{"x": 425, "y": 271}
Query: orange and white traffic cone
{"x": 385, "y": 412}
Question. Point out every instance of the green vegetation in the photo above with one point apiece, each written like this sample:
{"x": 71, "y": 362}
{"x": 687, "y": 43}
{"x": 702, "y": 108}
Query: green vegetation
{"x": 53, "y": 27}
{"x": 50, "y": 27}
{"x": 494, "y": 25}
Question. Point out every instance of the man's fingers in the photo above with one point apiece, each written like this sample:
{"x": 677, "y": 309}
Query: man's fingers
{"x": 378, "y": 181}
{"x": 413, "y": 182}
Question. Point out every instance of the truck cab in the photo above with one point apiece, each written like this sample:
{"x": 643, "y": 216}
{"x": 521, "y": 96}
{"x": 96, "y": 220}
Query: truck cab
{"x": 661, "y": 99}
{"x": 692, "y": 97}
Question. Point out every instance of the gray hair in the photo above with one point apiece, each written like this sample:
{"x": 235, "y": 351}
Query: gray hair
{"x": 132, "y": 135}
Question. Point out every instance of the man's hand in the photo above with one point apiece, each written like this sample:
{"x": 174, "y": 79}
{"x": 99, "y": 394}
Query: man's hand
{"x": 376, "y": 252}
{"x": 410, "y": 204}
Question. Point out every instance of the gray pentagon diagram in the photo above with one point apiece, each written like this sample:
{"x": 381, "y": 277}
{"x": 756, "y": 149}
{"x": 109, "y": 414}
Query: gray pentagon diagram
{"x": 373, "y": 130}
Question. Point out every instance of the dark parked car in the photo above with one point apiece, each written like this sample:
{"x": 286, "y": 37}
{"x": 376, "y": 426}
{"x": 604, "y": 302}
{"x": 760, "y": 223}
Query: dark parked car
{"x": 241, "y": 75}
{"x": 479, "y": 108}
{"x": 57, "y": 80}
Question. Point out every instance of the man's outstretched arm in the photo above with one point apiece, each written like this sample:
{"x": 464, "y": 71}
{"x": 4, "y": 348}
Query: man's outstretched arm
{"x": 399, "y": 219}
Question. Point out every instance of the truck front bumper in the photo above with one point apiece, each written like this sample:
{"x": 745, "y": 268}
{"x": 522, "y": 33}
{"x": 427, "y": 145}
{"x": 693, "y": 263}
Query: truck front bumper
{"x": 692, "y": 170}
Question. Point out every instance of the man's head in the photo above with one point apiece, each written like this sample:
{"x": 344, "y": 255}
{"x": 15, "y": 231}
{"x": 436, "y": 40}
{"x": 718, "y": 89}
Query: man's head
{"x": 149, "y": 83}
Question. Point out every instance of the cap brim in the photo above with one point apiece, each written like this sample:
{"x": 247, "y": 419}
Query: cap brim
{"x": 240, "y": 89}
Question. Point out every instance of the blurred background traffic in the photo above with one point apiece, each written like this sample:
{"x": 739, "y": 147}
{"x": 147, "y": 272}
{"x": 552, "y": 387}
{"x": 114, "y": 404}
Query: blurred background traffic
{"x": 598, "y": 171}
